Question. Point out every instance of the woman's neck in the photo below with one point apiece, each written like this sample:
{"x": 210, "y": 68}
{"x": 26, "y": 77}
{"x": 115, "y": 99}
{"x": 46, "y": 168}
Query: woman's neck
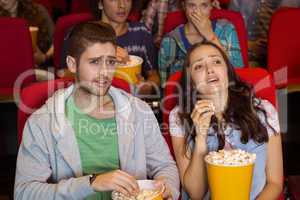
{"x": 191, "y": 29}
{"x": 192, "y": 33}
{"x": 120, "y": 28}
{"x": 220, "y": 100}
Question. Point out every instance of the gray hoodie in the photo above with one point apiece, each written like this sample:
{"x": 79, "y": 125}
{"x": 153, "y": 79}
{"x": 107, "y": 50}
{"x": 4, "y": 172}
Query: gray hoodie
{"x": 48, "y": 163}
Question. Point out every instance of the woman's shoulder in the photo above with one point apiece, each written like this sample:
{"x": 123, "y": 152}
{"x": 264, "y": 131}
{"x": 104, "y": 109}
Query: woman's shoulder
{"x": 176, "y": 30}
{"x": 270, "y": 119}
{"x": 175, "y": 125}
{"x": 175, "y": 110}
{"x": 224, "y": 24}
{"x": 265, "y": 104}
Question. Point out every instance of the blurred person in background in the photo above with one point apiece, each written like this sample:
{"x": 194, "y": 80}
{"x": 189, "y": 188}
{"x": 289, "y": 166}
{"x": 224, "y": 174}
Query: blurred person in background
{"x": 36, "y": 15}
{"x": 257, "y": 15}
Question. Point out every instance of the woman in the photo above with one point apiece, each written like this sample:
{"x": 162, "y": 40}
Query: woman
{"x": 198, "y": 27}
{"x": 219, "y": 111}
{"x": 36, "y": 15}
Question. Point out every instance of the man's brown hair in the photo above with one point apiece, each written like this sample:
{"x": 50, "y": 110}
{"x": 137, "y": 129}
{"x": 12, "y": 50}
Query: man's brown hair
{"x": 87, "y": 33}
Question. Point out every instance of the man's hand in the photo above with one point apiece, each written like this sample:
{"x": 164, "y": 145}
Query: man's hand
{"x": 161, "y": 183}
{"x": 116, "y": 180}
{"x": 122, "y": 55}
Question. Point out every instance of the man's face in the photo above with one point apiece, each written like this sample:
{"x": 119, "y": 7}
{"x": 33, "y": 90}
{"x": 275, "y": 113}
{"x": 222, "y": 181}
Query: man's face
{"x": 95, "y": 69}
{"x": 116, "y": 10}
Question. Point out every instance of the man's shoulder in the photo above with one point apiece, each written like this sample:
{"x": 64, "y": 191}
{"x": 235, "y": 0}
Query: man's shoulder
{"x": 138, "y": 28}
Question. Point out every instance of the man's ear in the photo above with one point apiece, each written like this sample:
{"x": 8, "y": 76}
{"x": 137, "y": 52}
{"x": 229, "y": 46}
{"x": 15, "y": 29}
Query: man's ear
{"x": 71, "y": 63}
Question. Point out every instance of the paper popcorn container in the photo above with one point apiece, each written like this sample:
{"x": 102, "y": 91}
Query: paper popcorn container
{"x": 143, "y": 185}
{"x": 131, "y": 70}
{"x": 229, "y": 182}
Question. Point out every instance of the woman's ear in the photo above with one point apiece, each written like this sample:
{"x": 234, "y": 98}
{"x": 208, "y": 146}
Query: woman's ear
{"x": 100, "y": 5}
{"x": 71, "y": 63}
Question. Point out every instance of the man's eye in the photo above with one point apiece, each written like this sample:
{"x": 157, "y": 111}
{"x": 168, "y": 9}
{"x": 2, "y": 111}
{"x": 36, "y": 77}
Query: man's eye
{"x": 96, "y": 61}
{"x": 111, "y": 62}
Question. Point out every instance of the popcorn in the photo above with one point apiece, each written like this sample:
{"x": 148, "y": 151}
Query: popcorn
{"x": 236, "y": 157}
{"x": 142, "y": 195}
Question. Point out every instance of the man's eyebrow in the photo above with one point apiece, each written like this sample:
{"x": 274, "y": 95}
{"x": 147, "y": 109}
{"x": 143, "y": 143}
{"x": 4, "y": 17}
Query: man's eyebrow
{"x": 101, "y": 57}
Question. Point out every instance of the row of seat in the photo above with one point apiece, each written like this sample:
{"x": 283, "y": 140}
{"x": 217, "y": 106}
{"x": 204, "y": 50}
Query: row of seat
{"x": 79, "y": 6}
{"x": 283, "y": 46}
{"x": 283, "y": 61}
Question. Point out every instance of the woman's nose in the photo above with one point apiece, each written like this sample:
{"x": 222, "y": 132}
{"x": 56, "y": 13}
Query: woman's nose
{"x": 121, "y": 4}
{"x": 209, "y": 69}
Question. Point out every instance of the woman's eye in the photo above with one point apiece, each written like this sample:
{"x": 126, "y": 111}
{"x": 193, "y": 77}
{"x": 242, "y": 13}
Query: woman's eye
{"x": 217, "y": 62}
{"x": 204, "y": 5}
{"x": 191, "y": 5}
{"x": 198, "y": 66}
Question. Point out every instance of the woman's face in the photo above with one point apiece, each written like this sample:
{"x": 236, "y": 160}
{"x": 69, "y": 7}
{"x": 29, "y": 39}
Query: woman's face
{"x": 208, "y": 70}
{"x": 203, "y": 6}
{"x": 116, "y": 10}
{"x": 7, "y": 4}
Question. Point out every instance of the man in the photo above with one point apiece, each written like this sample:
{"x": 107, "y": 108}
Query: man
{"x": 91, "y": 138}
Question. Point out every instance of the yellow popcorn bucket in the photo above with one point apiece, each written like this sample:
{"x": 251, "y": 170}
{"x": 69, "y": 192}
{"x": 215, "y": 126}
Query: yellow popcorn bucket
{"x": 229, "y": 182}
{"x": 131, "y": 70}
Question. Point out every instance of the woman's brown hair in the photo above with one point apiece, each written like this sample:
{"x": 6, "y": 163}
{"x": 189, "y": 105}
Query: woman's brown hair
{"x": 241, "y": 111}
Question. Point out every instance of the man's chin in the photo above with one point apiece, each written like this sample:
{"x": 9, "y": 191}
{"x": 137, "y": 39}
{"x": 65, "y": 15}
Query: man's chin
{"x": 95, "y": 91}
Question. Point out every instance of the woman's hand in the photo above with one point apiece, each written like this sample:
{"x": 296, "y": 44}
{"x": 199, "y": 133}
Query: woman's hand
{"x": 201, "y": 116}
{"x": 202, "y": 24}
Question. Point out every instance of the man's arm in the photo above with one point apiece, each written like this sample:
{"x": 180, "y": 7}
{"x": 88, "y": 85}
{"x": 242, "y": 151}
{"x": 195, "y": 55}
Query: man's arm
{"x": 33, "y": 171}
{"x": 160, "y": 164}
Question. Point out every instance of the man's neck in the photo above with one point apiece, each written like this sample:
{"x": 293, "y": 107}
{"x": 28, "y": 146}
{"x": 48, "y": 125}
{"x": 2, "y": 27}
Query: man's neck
{"x": 99, "y": 107}
{"x": 120, "y": 28}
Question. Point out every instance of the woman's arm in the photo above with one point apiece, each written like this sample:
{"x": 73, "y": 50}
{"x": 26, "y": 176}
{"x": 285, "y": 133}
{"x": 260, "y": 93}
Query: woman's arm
{"x": 192, "y": 171}
{"x": 274, "y": 169}
{"x": 191, "y": 165}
